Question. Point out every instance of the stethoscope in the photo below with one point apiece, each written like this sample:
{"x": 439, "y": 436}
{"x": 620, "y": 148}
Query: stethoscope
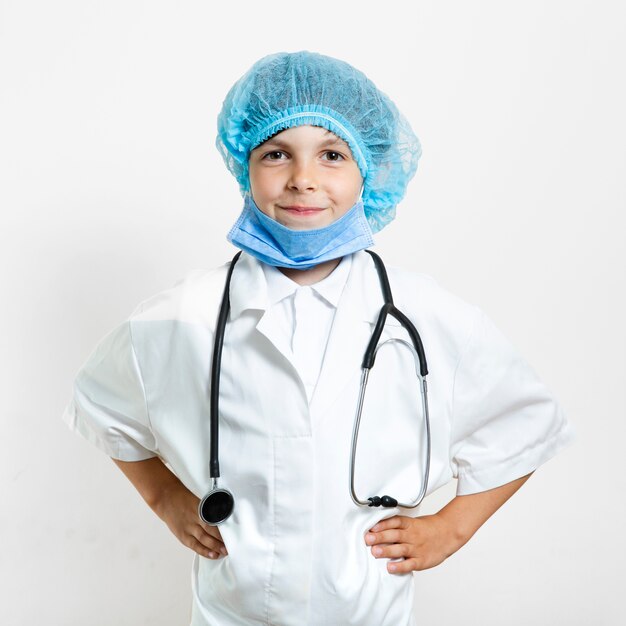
{"x": 218, "y": 504}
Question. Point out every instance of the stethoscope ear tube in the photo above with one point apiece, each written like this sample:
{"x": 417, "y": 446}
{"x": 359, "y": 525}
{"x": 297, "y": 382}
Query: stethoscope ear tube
{"x": 218, "y": 343}
{"x": 218, "y": 504}
{"x": 390, "y": 309}
{"x": 388, "y": 501}
{"x": 370, "y": 351}
{"x": 415, "y": 338}
{"x": 421, "y": 367}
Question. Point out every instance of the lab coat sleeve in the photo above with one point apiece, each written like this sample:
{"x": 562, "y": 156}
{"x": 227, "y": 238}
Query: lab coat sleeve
{"x": 108, "y": 406}
{"x": 505, "y": 422}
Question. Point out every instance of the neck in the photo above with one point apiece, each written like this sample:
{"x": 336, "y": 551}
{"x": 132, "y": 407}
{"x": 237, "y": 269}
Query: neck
{"x": 313, "y": 274}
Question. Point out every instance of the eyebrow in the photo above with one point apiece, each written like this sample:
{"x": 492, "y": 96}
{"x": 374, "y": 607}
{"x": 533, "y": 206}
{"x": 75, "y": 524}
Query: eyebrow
{"x": 275, "y": 141}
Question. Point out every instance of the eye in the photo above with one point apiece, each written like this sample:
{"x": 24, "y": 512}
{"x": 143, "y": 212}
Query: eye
{"x": 341, "y": 157}
{"x": 273, "y": 152}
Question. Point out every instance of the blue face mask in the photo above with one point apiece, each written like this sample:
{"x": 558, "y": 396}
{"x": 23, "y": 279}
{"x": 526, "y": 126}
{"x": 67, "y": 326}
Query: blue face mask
{"x": 275, "y": 244}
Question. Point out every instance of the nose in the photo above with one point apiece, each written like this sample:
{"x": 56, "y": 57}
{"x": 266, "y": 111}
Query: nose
{"x": 303, "y": 176}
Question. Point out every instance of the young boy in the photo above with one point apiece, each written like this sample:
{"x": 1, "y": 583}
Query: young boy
{"x": 322, "y": 158}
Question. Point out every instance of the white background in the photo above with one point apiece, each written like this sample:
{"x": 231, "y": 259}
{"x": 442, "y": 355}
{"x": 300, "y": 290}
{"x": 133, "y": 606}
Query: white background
{"x": 111, "y": 189}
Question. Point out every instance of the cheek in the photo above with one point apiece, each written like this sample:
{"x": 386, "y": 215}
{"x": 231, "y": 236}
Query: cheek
{"x": 349, "y": 188}
{"x": 263, "y": 181}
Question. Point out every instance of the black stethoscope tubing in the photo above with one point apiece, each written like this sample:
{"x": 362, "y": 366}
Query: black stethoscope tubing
{"x": 218, "y": 504}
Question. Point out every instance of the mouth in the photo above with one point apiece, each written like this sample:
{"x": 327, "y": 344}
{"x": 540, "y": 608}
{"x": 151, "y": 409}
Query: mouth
{"x": 302, "y": 210}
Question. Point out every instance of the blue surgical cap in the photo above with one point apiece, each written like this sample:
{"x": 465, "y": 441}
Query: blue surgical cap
{"x": 289, "y": 89}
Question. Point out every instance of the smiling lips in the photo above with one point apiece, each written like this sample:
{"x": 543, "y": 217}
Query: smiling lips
{"x": 303, "y": 210}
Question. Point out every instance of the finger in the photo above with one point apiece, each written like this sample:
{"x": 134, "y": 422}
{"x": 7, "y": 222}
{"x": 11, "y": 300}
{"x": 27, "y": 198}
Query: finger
{"x": 209, "y": 541}
{"x": 217, "y": 536}
{"x": 403, "y": 567}
{"x": 207, "y": 529}
{"x": 393, "y": 535}
{"x": 212, "y": 530}
{"x": 391, "y": 551}
{"x": 201, "y": 549}
{"x": 396, "y": 521}
{"x": 379, "y": 545}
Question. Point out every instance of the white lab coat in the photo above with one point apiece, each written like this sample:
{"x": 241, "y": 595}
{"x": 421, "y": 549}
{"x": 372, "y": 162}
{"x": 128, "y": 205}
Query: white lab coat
{"x": 296, "y": 540}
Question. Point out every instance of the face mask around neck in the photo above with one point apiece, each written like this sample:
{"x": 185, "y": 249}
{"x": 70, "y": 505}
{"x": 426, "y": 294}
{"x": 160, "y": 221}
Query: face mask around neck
{"x": 269, "y": 241}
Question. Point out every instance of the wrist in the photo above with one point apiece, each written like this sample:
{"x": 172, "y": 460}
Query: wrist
{"x": 457, "y": 532}
{"x": 162, "y": 494}
{"x": 158, "y": 486}
{"x": 153, "y": 480}
{"x": 466, "y": 514}
{"x": 461, "y": 519}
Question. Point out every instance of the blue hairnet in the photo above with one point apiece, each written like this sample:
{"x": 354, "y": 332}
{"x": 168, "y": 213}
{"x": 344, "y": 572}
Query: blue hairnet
{"x": 289, "y": 89}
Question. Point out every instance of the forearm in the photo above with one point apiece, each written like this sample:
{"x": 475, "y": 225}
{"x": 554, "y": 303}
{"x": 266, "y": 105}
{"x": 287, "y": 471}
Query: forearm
{"x": 466, "y": 514}
{"x": 151, "y": 478}
{"x": 174, "y": 504}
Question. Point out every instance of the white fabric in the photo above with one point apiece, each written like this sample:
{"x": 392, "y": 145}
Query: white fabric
{"x": 295, "y": 539}
{"x": 307, "y": 313}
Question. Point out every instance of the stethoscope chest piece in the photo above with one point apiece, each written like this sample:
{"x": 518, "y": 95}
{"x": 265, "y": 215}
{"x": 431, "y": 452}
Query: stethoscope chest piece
{"x": 217, "y": 506}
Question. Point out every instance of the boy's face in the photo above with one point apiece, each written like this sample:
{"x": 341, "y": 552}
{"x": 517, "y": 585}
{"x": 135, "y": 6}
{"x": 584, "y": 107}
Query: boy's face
{"x": 305, "y": 167}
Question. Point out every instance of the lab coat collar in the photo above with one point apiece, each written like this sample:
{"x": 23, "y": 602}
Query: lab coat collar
{"x": 359, "y": 305}
{"x": 329, "y": 288}
{"x": 249, "y": 289}
{"x": 350, "y": 334}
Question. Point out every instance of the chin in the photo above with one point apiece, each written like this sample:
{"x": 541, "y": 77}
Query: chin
{"x": 306, "y": 224}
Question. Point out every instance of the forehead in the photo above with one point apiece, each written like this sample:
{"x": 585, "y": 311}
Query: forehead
{"x": 316, "y": 135}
